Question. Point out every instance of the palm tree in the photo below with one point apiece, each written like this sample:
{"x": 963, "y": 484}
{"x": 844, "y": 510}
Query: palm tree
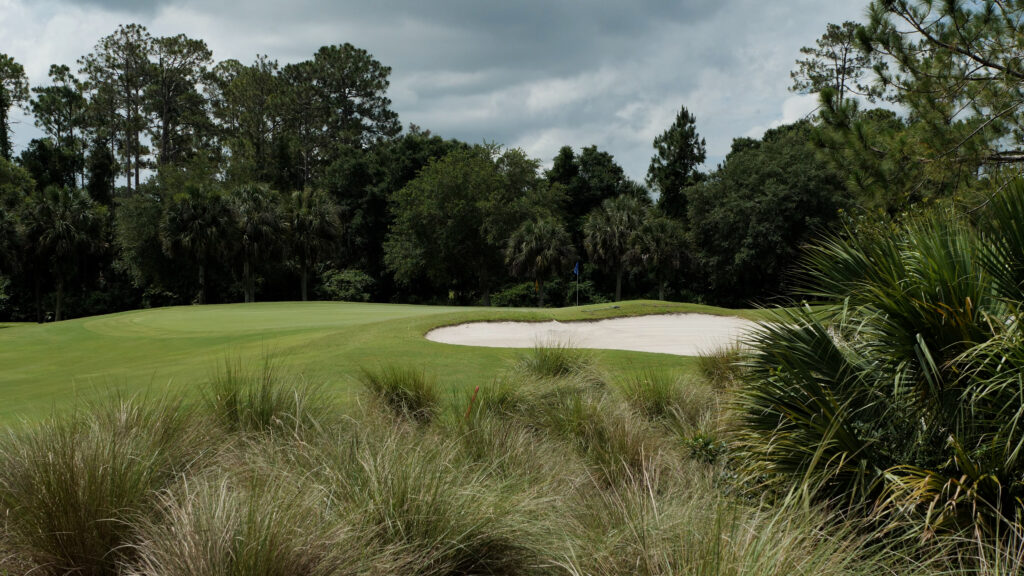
{"x": 661, "y": 245}
{"x": 904, "y": 395}
{"x": 60, "y": 224}
{"x": 315, "y": 228}
{"x": 196, "y": 224}
{"x": 609, "y": 235}
{"x": 257, "y": 220}
{"x": 540, "y": 249}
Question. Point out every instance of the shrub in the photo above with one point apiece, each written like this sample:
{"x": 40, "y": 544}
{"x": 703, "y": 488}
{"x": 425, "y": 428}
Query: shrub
{"x": 349, "y": 285}
{"x": 906, "y": 397}
{"x": 705, "y": 448}
{"x": 522, "y": 295}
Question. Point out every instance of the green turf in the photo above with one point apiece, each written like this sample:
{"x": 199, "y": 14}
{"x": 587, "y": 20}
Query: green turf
{"x": 59, "y": 365}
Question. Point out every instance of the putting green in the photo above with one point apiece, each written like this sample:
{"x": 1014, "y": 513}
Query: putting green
{"x": 59, "y": 365}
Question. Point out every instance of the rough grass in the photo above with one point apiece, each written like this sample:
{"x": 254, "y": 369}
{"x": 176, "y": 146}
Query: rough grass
{"x": 540, "y": 475}
{"x": 408, "y": 392}
{"x": 258, "y": 399}
{"x": 270, "y": 525}
{"x": 559, "y": 360}
{"x": 722, "y": 368}
{"x": 71, "y": 488}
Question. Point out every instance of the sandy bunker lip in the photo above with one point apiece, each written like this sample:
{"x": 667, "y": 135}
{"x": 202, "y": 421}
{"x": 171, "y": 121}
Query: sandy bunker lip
{"x": 680, "y": 334}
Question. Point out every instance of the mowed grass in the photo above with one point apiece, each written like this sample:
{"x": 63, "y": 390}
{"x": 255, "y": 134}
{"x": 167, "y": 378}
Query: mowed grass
{"x": 61, "y": 365}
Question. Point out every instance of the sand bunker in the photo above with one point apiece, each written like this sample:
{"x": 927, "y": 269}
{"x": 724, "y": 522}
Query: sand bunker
{"x": 680, "y": 334}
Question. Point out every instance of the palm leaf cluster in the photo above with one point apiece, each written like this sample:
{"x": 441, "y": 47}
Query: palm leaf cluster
{"x": 61, "y": 225}
{"x": 208, "y": 224}
{"x": 540, "y": 249}
{"x": 906, "y": 396}
{"x": 195, "y": 223}
{"x": 609, "y": 235}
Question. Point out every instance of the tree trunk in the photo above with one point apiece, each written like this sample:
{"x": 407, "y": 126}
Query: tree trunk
{"x": 127, "y": 154}
{"x": 661, "y": 290}
{"x": 246, "y": 277}
{"x": 58, "y": 313}
{"x": 304, "y": 280}
{"x": 540, "y": 294}
{"x": 618, "y": 285}
{"x": 39, "y": 301}
{"x": 202, "y": 284}
{"x": 5, "y": 141}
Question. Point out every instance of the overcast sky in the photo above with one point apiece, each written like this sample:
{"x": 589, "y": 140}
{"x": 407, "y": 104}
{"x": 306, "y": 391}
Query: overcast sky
{"x": 537, "y": 74}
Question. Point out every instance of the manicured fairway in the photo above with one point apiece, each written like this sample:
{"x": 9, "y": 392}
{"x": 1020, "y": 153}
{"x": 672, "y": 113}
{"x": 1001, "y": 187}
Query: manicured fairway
{"x": 58, "y": 365}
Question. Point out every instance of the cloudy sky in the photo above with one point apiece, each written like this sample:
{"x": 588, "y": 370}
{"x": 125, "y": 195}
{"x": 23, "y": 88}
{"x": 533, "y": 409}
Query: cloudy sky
{"x": 537, "y": 74}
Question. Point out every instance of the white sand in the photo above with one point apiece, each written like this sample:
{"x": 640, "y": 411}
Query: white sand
{"x": 680, "y": 334}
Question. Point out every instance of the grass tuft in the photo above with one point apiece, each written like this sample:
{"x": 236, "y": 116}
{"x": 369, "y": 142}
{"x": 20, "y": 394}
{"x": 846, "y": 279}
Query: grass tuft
{"x": 656, "y": 394}
{"x": 407, "y": 392}
{"x": 270, "y": 524}
{"x": 559, "y": 360}
{"x": 72, "y": 487}
{"x": 261, "y": 400}
{"x": 722, "y": 368}
{"x": 617, "y": 444}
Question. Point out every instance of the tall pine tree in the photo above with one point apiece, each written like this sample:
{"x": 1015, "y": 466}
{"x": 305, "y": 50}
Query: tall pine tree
{"x": 680, "y": 150}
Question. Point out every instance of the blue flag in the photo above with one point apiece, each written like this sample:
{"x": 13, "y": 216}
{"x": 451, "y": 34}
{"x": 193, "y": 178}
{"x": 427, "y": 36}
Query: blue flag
{"x": 576, "y": 269}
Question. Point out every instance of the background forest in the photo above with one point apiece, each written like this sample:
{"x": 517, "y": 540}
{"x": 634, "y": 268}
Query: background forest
{"x": 165, "y": 177}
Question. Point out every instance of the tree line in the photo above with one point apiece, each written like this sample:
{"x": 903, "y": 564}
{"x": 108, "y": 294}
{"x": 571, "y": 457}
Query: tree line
{"x": 163, "y": 177}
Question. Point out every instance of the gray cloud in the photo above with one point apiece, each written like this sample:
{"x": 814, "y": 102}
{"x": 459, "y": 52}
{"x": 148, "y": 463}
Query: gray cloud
{"x": 142, "y": 7}
{"x": 535, "y": 73}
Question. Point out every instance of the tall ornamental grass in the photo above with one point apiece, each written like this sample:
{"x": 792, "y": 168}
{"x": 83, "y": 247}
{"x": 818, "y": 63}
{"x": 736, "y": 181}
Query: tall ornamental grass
{"x": 72, "y": 487}
{"x": 540, "y": 475}
{"x": 259, "y": 399}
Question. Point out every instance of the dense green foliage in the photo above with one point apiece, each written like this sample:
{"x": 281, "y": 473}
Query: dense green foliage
{"x": 219, "y": 181}
{"x": 172, "y": 146}
{"x": 679, "y": 153}
{"x": 956, "y": 66}
{"x": 904, "y": 397}
{"x": 540, "y": 249}
{"x": 749, "y": 220}
{"x": 453, "y": 221}
{"x": 610, "y": 236}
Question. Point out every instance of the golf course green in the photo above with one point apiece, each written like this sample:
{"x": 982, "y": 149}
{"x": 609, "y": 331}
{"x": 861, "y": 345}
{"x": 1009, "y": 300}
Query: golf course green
{"x": 44, "y": 367}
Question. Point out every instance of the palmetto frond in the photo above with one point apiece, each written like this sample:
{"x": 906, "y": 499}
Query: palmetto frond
{"x": 539, "y": 249}
{"x": 906, "y": 394}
